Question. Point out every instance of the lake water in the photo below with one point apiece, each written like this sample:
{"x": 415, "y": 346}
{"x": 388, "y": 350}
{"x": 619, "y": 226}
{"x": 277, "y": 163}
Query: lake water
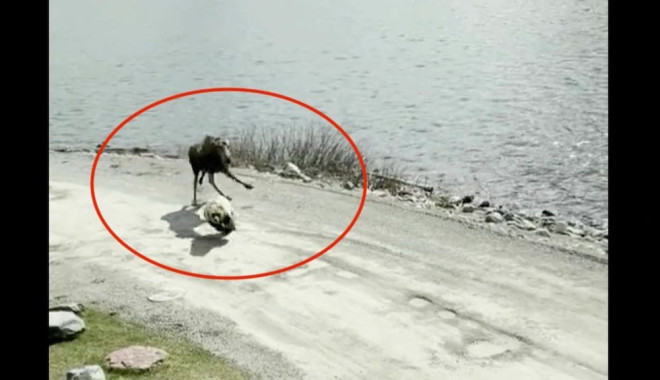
{"x": 507, "y": 98}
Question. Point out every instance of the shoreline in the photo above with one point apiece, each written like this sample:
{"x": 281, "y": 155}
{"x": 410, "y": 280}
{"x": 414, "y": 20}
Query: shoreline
{"x": 531, "y": 210}
{"x": 542, "y": 227}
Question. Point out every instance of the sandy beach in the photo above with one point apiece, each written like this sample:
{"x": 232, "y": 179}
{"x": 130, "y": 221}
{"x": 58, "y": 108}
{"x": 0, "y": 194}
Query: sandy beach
{"x": 406, "y": 295}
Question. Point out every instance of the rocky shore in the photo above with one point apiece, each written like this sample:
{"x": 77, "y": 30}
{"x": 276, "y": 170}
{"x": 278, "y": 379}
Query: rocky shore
{"x": 543, "y": 226}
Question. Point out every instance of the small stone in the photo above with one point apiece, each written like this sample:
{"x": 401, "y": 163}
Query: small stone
{"x": 542, "y": 232}
{"x": 561, "y": 228}
{"x": 547, "y": 213}
{"x": 443, "y": 202}
{"x": 90, "y": 372}
{"x": 525, "y": 224}
{"x": 575, "y": 231}
{"x": 348, "y": 185}
{"x": 72, "y": 307}
{"x": 468, "y": 208}
{"x": 468, "y": 199}
{"x": 135, "y": 358}
{"x": 168, "y": 294}
{"x": 484, "y": 204}
{"x": 494, "y": 217}
{"x": 455, "y": 200}
{"x": 508, "y": 215}
{"x": 407, "y": 198}
{"x": 64, "y": 325}
{"x": 380, "y": 193}
{"x": 548, "y": 221}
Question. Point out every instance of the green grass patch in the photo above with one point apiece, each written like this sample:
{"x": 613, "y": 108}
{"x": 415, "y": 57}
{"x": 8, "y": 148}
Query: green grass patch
{"x": 105, "y": 334}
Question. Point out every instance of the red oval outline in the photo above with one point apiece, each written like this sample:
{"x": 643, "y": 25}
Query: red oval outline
{"x": 230, "y": 89}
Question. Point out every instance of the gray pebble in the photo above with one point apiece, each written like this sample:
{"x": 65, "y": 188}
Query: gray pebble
{"x": 542, "y": 232}
{"x": 494, "y": 217}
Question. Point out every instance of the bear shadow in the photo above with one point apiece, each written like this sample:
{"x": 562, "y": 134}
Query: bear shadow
{"x": 183, "y": 223}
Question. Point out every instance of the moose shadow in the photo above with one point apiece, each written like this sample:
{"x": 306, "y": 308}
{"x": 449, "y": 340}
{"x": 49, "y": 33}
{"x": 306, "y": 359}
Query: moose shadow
{"x": 183, "y": 223}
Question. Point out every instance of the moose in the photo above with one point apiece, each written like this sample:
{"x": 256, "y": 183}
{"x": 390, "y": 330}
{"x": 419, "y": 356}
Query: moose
{"x": 211, "y": 156}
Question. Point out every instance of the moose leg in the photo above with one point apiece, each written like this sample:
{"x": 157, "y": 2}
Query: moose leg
{"x": 202, "y": 177}
{"x": 232, "y": 176}
{"x": 194, "y": 203}
{"x": 216, "y": 187}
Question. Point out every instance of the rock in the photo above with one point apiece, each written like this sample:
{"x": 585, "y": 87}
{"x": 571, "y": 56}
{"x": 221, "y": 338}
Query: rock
{"x": 348, "y": 185}
{"x": 484, "y": 204}
{"x": 72, "y": 307}
{"x": 561, "y": 228}
{"x": 508, "y": 216}
{"x": 455, "y": 200}
{"x": 443, "y": 201}
{"x": 468, "y": 199}
{"x": 525, "y": 224}
{"x": 292, "y": 171}
{"x": 90, "y": 372}
{"x": 542, "y": 232}
{"x": 547, "y": 221}
{"x": 64, "y": 325}
{"x": 407, "y": 198}
{"x": 468, "y": 208}
{"x": 167, "y": 294}
{"x": 577, "y": 232}
{"x": 380, "y": 193}
{"x": 601, "y": 234}
{"x": 547, "y": 213}
{"x": 590, "y": 231}
{"x": 135, "y": 358}
{"x": 494, "y": 217}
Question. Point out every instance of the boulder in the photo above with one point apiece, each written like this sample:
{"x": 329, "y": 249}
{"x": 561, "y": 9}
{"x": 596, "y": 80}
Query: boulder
{"x": 468, "y": 199}
{"x": 484, "y": 204}
{"x": 64, "y": 325}
{"x": 468, "y": 208}
{"x": 90, "y": 372}
{"x": 135, "y": 358}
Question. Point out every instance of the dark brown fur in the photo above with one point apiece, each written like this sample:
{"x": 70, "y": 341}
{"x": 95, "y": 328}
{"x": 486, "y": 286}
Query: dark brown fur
{"x": 211, "y": 156}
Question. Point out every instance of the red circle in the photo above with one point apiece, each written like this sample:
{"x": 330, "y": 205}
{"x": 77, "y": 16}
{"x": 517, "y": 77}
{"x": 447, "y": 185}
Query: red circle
{"x": 230, "y": 89}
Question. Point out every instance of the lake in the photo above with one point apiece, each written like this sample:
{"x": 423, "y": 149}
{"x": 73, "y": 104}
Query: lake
{"x": 507, "y": 98}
